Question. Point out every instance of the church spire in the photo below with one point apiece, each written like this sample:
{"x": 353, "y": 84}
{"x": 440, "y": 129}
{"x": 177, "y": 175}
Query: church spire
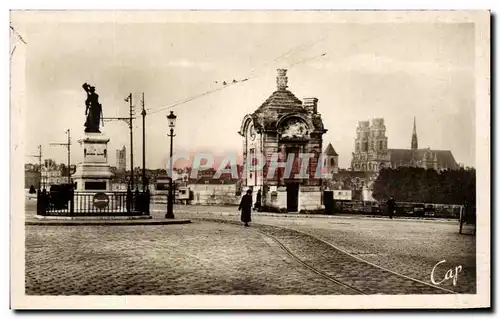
{"x": 414, "y": 139}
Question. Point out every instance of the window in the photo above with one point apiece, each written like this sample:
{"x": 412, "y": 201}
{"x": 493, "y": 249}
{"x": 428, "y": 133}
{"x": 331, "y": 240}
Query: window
{"x": 365, "y": 147}
{"x": 253, "y": 159}
{"x": 160, "y": 186}
{"x": 332, "y": 162}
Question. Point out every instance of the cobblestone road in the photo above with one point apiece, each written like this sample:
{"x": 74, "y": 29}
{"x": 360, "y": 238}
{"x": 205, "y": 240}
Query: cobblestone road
{"x": 200, "y": 258}
{"x": 220, "y": 258}
{"x": 408, "y": 247}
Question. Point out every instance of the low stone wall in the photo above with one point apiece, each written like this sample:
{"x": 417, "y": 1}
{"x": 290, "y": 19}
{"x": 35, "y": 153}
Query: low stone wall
{"x": 203, "y": 194}
{"x": 310, "y": 199}
{"x": 207, "y": 197}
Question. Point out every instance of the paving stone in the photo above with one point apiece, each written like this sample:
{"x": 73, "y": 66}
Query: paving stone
{"x": 217, "y": 258}
{"x": 413, "y": 248}
{"x": 180, "y": 259}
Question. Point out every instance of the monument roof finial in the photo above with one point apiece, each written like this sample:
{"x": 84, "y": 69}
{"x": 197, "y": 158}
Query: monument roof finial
{"x": 282, "y": 79}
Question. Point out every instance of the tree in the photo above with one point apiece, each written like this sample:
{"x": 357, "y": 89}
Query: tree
{"x": 411, "y": 184}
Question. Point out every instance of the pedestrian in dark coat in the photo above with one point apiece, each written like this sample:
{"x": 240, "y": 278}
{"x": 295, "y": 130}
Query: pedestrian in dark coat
{"x": 258, "y": 201}
{"x": 246, "y": 207}
{"x": 391, "y": 206}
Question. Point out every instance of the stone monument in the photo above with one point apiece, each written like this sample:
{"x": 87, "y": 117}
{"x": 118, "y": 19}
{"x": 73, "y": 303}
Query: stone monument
{"x": 92, "y": 196}
{"x": 94, "y": 173}
{"x": 284, "y": 126}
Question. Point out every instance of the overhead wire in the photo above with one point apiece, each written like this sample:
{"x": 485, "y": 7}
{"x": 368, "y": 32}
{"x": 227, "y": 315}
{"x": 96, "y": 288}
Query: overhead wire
{"x": 292, "y": 51}
{"x": 297, "y": 49}
{"x": 19, "y": 37}
{"x": 224, "y": 87}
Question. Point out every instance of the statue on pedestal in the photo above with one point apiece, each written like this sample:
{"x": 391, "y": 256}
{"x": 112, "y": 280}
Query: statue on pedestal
{"x": 93, "y": 109}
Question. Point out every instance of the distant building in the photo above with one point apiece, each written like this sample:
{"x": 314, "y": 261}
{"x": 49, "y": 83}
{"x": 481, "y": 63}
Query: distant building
{"x": 52, "y": 174}
{"x": 209, "y": 191}
{"x": 372, "y": 154}
{"x": 358, "y": 182}
{"x": 31, "y": 178}
{"x": 206, "y": 173}
{"x": 31, "y": 175}
{"x": 121, "y": 159}
{"x": 331, "y": 160}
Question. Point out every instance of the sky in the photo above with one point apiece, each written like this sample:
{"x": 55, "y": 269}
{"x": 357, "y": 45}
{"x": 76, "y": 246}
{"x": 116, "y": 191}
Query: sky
{"x": 357, "y": 71}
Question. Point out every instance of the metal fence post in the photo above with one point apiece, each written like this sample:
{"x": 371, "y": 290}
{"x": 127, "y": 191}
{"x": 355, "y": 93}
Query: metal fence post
{"x": 72, "y": 203}
{"x": 147, "y": 199}
{"x": 44, "y": 202}
{"x": 137, "y": 201}
{"x": 128, "y": 199}
{"x": 461, "y": 219}
{"x": 38, "y": 202}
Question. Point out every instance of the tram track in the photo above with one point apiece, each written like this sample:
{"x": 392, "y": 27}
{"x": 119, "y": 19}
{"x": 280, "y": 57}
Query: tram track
{"x": 370, "y": 263}
{"x": 394, "y": 278}
{"x": 375, "y": 265}
{"x": 311, "y": 268}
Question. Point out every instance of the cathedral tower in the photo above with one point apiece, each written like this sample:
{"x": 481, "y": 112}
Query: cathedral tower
{"x": 378, "y": 140}
{"x": 370, "y": 147}
{"x": 414, "y": 139}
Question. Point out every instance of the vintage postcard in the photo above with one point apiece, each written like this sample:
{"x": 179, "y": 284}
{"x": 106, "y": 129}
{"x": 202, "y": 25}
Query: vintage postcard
{"x": 250, "y": 159}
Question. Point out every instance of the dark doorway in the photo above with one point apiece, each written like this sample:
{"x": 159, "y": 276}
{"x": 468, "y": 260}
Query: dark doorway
{"x": 292, "y": 197}
{"x": 328, "y": 202}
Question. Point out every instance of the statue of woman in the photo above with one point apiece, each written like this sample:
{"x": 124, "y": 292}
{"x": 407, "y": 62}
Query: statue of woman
{"x": 93, "y": 109}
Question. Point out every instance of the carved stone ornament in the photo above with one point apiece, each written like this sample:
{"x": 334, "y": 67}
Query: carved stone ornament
{"x": 294, "y": 128}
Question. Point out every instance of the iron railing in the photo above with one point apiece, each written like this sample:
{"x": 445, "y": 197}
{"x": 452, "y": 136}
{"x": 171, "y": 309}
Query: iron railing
{"x": 401, "y": 209}
{"x": 71, "y": 203}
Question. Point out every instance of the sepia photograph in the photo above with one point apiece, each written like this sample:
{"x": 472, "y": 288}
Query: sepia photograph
{"x": 250, "y": 159}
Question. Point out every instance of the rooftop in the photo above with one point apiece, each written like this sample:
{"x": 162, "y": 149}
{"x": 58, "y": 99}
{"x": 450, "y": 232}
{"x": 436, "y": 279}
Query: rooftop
{"x": 330, "y": 151}
{"x": 444, "y": 157}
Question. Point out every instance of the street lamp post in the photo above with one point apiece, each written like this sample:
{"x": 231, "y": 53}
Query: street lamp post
{"x": 170, "y": 204}
{"x": 143, "y": 113}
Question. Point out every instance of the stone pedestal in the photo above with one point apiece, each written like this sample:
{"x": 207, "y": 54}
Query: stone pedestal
{"x": 94, "y": 173}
